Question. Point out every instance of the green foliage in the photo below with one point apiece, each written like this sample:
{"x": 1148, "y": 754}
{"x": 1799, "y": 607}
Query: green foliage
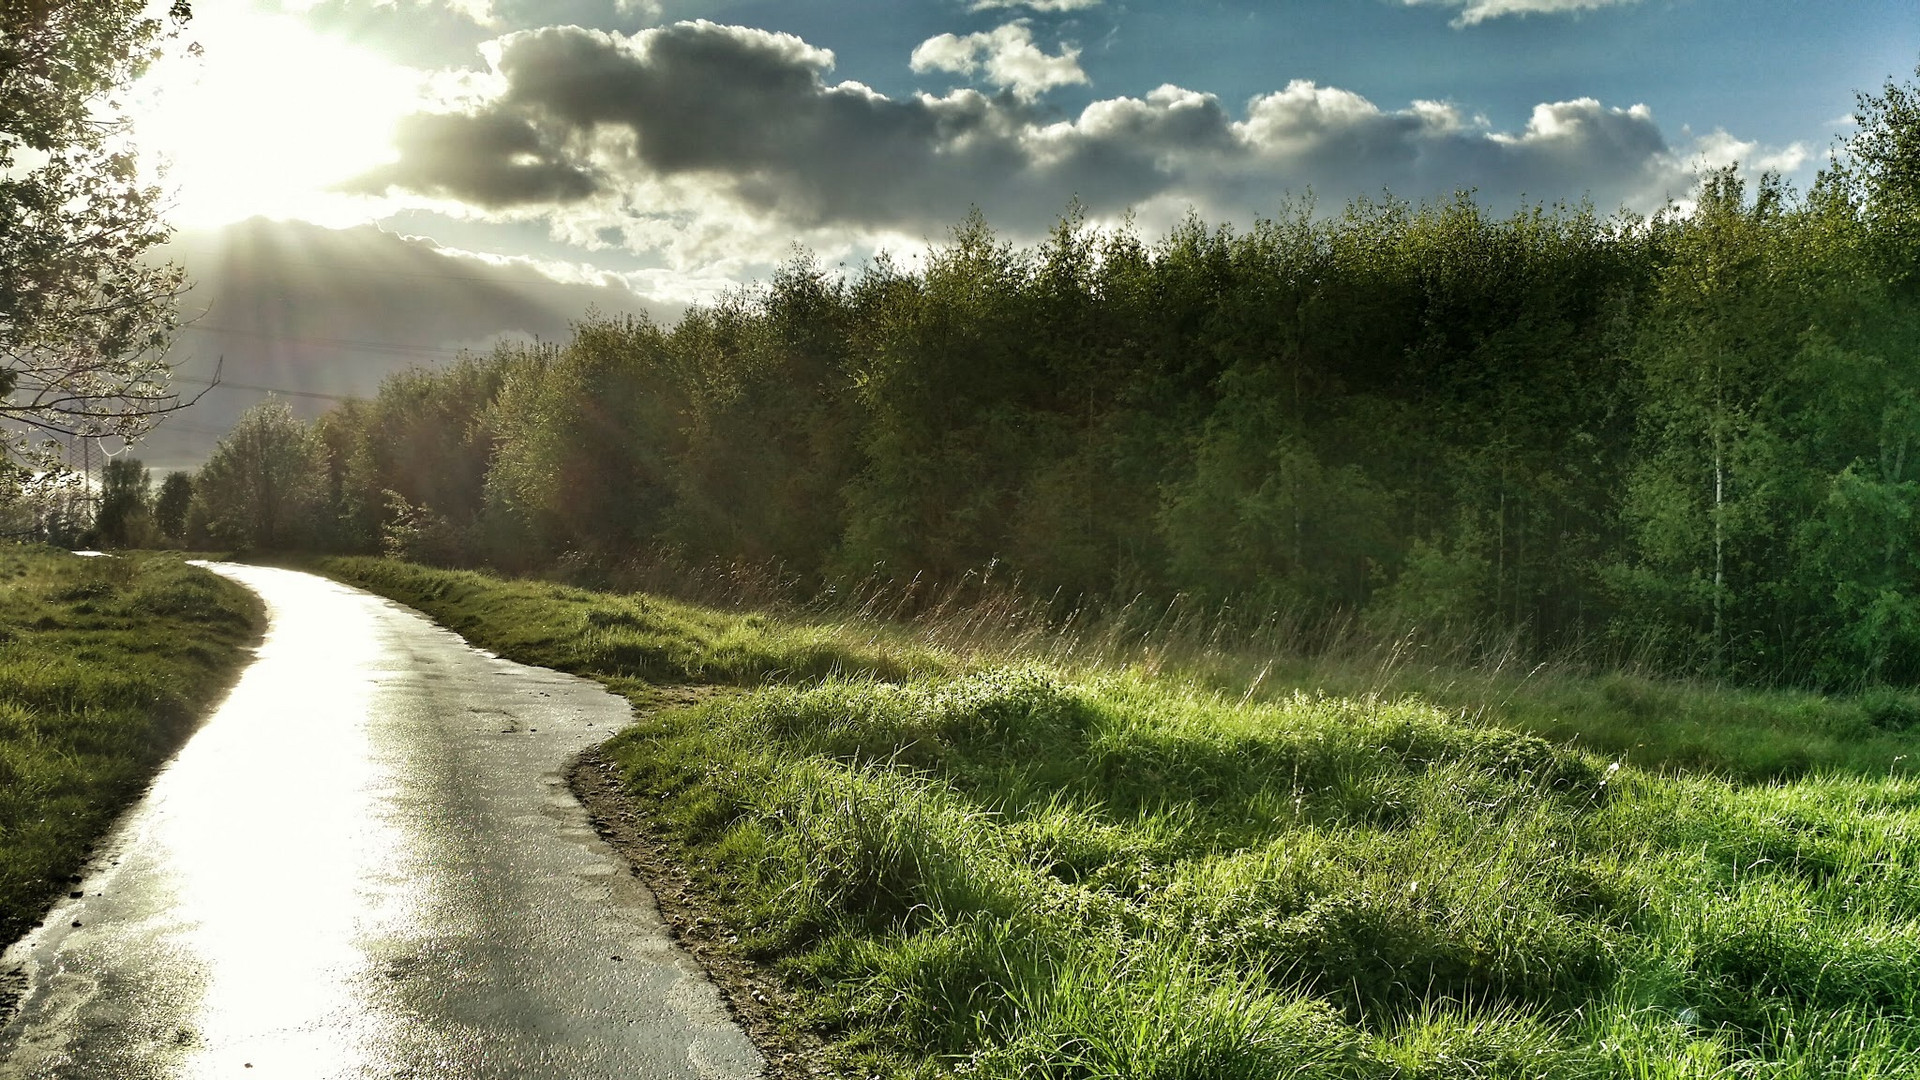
{"x": 86, "y": 314}
{"x": 261, "y": 489}
{"x": 125, "y": 518}
{"x": 171, "y": 507}
{"x": 1884, "y": 161}
{"x": 415, "y": 457}
{"x": 1683, "y": 443}
{"x": 585, "y": 438}
{"x": 770, "y": 422}
{"x": 1262, "y": 518}
{"x": 418, "y": 534}
{"x": 105, "y": 664}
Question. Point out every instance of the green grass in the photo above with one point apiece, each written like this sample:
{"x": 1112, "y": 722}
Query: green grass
{"x": 632, "y": 639}
{"x": 106, "y": 664}
{"x": 1014, "y": 872}
{"x": 1657, "y": 723}
{"x": 977, "y": 866}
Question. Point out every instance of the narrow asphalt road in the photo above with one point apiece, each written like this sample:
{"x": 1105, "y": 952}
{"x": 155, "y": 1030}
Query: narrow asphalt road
{"x": 367, "y": 864}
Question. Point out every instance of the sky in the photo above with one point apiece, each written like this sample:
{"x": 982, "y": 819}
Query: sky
{"x": 362, "y": 186}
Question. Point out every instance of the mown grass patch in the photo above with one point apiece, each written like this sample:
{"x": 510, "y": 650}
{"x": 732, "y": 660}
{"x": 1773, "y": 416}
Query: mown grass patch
{"x": 988, "y": 868}
{"x": 105, "y": 666}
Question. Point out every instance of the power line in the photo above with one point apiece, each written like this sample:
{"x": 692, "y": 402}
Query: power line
{"x": 541, "y": 280}
{"x": 263, "y": 389}
{"x": 340, "y": 343}
{"x": 392, "y": 348}
{"x": 189, "y": 429}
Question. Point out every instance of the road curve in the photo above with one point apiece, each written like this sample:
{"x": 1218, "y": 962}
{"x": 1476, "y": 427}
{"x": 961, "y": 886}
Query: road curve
{"x": 367, "y": 864}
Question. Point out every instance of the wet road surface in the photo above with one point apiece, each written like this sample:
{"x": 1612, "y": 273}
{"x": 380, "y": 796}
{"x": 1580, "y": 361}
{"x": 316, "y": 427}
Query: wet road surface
{"x": 367, "y": 864}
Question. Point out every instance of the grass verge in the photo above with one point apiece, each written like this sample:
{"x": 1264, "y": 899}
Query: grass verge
{"x": 982, "y": 868}
{"x": 106, "y": 665}
{"x": 632, "y": 641}
{"x": 1588, "y": 697}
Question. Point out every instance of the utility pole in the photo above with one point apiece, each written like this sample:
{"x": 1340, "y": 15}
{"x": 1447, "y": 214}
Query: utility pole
{"x": 86, "y": 478}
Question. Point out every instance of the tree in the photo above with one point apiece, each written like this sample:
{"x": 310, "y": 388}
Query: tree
{"x": 262, "y": 486}
{"x": 126, "y": 504}
{"x": 85, "y": 318}
{"x": 586, "y": 437}
{"x": 1707, "y": 495}
{"x": 771, "y": 423}
{"x": 170, "y": 506}
{"x": 1884, "y": 160}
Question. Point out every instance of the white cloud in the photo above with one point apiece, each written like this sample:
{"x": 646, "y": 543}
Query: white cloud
{"x": 1008, "y": 57}
{"x": 948, "y": 52}
{"x": 1719, "y": 150}
{"x": 480, "y": 11}
{"x": 1474, "y": 12}
{"x": 1583, "y": 121}
{"x": 1048, "y": 6}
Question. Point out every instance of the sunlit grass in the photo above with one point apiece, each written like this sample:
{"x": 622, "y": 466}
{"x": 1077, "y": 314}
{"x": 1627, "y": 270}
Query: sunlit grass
{"x": 1016, "y": 872}
{"x": 105, "y": 664}
{"x": 627, "y": 636}
{"x": 1607, "y": 706}
{"x": 1126, "y": 860}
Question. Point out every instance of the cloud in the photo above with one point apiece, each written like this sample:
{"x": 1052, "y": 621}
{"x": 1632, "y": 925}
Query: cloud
{"x": 434, "y": 33}
{"x": 492, "y": 160}
{"x": 1719, "y": 150}
{"x": 1008, "y": 56}
{"x": 480, "y": 12}
{"x": 1048, "y": 6}
{"x": 706, "y": 143}
{"x": 1474, "y": 12}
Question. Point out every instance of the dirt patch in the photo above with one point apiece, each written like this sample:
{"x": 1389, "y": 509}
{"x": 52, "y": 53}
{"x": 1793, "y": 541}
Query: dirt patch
{"x": 760, "y": 1002}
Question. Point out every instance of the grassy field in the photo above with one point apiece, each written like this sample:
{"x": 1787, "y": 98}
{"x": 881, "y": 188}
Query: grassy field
{"x": 1066, "y": 866}
{"x": 105, "y": 666}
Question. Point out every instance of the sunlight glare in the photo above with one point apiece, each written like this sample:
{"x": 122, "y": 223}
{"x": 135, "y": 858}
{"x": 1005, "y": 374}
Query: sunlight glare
{"x": 269, "y": 119}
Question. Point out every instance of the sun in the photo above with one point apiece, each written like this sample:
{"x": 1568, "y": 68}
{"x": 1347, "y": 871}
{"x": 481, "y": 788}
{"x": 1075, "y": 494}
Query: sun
{"x": 267, "y": 119}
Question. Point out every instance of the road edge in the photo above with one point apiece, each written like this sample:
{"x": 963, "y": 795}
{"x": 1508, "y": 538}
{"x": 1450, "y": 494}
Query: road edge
{"x": 199, "y": 702}
{"x": 757, "y": 998}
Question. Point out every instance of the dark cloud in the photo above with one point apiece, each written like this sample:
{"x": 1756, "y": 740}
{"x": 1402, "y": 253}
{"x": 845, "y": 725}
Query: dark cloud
{"x": 493, "y": 160}
{"x": 753, "y": 110}
{"x": 756, "y": 119}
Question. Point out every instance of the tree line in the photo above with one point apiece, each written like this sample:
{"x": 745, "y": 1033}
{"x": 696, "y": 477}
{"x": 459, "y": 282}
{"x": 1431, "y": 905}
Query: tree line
{"x": 1695, "y": 435}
